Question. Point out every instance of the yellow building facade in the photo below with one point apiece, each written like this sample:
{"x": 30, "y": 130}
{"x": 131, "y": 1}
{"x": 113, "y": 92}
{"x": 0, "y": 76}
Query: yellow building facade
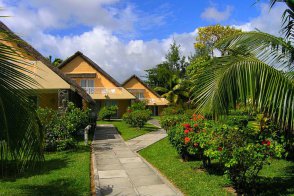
{"x": 144, "y": 93}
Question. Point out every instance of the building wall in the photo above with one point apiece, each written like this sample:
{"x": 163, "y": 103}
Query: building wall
{"x": 135, "y": 84}
{"x": 78, "y": 66}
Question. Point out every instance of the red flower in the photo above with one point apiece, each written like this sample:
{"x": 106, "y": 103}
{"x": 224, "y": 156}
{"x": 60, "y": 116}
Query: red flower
{"x": 220, "y": 148}
{"x": 187, "y": 140}
{"x": 195, "y": 125}
{"x": 196, "y": 144}
{"x": 268, "y": 143}
{"x": 186, "y": 131}
{"x": 187, "y": 126}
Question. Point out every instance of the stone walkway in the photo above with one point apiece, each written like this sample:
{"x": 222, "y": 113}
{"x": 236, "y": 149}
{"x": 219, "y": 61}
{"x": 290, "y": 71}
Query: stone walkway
{"x": 118, "y": 170}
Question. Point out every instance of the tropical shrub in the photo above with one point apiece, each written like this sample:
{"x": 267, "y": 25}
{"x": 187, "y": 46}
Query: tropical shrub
{"x": 61, "y": 128}
{"x": 172, "y": 110}
{"x": 240, "y": 151}
{"x": 107, "y": 112}
{"x": 169, "y": 121}
{"x": 137, "y": 118}
{"x": 137, "y": 105}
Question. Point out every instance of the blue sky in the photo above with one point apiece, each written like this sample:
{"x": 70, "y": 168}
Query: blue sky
{"x": 129, "y": 35}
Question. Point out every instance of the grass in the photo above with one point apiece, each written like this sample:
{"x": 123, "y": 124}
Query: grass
{"x": 276, "y": 179}
{"x": 127, "y": 132}
{"x": 62, "y": 173}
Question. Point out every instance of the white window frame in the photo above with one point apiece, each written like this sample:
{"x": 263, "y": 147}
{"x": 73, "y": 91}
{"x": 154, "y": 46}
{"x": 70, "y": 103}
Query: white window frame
{"x": 89, "y": 88}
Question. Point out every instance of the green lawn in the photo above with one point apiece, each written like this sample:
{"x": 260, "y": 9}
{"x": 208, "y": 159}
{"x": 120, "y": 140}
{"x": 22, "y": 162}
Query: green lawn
{"x": 63, "y": 173}
{"x": 277, "y": 178}
{"x": 126, "y": 131}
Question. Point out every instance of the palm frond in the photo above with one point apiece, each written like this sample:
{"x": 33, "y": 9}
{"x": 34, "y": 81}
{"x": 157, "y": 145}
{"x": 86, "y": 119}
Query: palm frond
{"x": 268, "y": 48}
{"x": 231, "y": 79}
{"x": 21, "y": 136}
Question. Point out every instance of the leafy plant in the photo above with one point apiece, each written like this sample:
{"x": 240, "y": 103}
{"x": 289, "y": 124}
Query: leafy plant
{"x": 107, "y": 112}
{"x": 137, "y": 118}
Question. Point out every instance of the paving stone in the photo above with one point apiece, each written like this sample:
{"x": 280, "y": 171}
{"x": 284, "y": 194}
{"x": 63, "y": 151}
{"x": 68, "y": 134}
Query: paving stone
{"x": 146, "y": 180}
{"x": 110, "y": 167}
{"x": 127, "y": 154}
{"x": 130, "y": 160}
{"x": 134, "y": 165}
{"x": 118, "y": 192}
{"x": 112, "y": 174}
{"x": 116, "y": 183}
{"x": 102, "y": 161}
{"x": 144, "y": 171}
{"x": 156, "y": 190}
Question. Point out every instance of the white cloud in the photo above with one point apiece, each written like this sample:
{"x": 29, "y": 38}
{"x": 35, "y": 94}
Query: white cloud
{"x": 213, "y": 14}
{"x": 269, "y": 20}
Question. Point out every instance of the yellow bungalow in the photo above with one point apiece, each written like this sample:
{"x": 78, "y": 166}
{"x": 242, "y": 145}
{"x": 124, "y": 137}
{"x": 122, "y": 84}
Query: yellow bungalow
{"x": 54, "y": 87}
{"x": 143, "y": 92}
{"x": 104, "y": 89}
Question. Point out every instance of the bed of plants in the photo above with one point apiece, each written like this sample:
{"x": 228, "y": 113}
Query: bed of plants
{"x": 235, "y": 149}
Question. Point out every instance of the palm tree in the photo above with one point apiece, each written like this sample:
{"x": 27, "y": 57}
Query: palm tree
{"x": 176, "y": 92}
{"x": 56, "y": 61}
{"x": 256, "y": 69}
{"x": 21, "y": 137}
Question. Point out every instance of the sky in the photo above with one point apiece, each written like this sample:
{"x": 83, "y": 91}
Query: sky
{"x": 126, "y": 37}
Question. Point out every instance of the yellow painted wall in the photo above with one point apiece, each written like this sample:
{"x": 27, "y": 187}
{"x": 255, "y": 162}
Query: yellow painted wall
{"x": 78, "y": 66}
{"x": 136, "y": 84}
{"x": 48, "y": 100}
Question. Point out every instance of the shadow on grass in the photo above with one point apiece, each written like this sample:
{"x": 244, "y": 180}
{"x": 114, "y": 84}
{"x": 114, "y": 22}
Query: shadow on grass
{"x": 56, "y": 187}
{"x": 278, "y": 185}
{"x": 41, "y": 168}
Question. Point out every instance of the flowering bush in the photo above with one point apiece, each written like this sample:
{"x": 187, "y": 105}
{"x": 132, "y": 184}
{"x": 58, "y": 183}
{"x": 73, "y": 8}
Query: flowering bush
{"x": 241, "y": 151}
{"x": 168, "y": 122}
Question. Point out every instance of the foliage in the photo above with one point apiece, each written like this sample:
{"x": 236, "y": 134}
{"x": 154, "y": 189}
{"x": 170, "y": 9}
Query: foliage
{"x": 137, "y": 105}
{"x": 242, "y": 152}
{"x": 107, "y": 112}
{"x": 174, "y": 64}
{"x": 241, "y": 76}
{"x": 56, "y": 62}
{"x": 20, "y": 133}
{"x": 62, "y": 128}
{"x": 137, "y": 118}
{"x": 208, "y": 36}
{"x": 176, "y": 90}
{"x": 169, "y": 121}
{"x": 172, "y": 110}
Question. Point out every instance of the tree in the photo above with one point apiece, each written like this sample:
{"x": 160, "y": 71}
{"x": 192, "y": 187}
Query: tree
{"x": 176, "y": 90}
{"x": 208, "y": 36}
{"x": 256, "y": 70}
{"x": 175, "y": 64}
{"x": 56, "y": 61}
{"x": 21, "y": 137}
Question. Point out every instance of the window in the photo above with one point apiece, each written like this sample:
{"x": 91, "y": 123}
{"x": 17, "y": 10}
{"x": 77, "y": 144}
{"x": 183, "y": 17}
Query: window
{"x": 88, "y": 85}
{"x": 140, "y": 95}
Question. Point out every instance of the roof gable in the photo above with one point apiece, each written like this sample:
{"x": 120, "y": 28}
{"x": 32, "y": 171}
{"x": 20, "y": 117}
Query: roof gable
{"x": 39, "y": 57}
{"x": 91, "y": 63}
{"x": 143, "y": 83}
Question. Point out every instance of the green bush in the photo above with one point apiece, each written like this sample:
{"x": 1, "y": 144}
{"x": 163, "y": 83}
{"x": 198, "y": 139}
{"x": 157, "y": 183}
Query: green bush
{"x": 107, "y": 112}
{"x": 61, "y": 128}
{"x": 240, "y": 151}
{"x": 137, "y": 118}
{"x": 137, "y": 105}
{"x": 172, "y": 110}
{"x": 169, "y": 121}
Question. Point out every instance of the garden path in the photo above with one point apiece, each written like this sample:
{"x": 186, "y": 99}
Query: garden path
{"x": 118, "y": 170}
{"x": 145, "y": 140}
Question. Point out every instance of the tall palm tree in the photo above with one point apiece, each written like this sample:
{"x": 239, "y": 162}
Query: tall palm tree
{"x": 256, "y": 69}
{"x": 21, "y": 137}
{"x": 176, "y": 92}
